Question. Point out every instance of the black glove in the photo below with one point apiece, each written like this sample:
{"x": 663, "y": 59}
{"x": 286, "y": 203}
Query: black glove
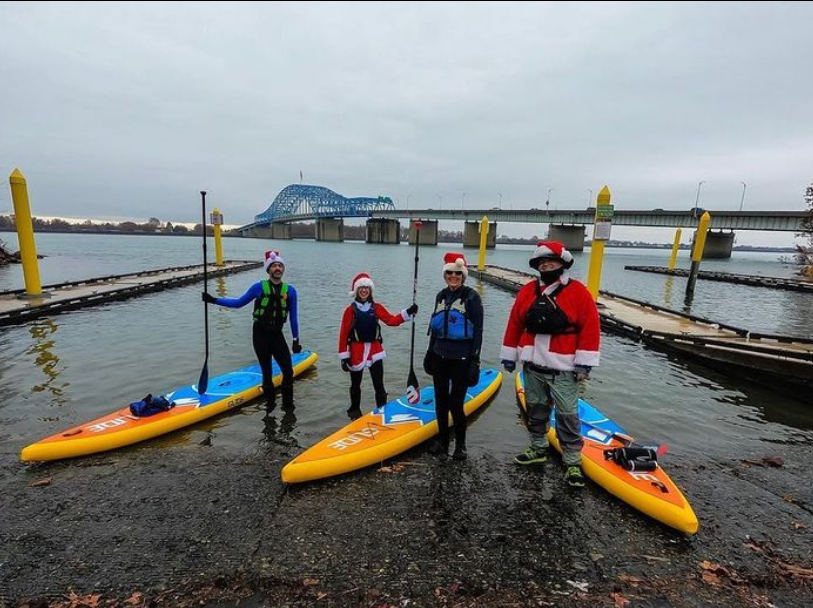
{"x": 295, "y": 347}
{"x": 412, "y": 310}
{"x": 473, "y": 372}
{"x": 208, "y": 298}
{"x": 509, "y": 366}
{"x": 345, "y": 365}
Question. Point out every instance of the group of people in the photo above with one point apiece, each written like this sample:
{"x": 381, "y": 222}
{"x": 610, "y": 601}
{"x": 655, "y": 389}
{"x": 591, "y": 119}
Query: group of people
{"x": 552, "y": 330}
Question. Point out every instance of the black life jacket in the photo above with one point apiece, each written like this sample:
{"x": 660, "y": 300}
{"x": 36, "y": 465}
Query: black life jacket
{"x": 365, "y": 327}
{"x": 545, "y": 317}
{"x": 271, "y": 309}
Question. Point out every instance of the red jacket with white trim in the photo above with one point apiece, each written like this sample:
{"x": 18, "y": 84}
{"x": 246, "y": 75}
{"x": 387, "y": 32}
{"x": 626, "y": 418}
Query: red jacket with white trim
{"x": 561, "y": 351}
{"x": 364, "y": 354}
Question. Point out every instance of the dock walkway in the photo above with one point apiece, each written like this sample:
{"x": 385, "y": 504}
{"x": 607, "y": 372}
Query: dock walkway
{"x": 717, "y": 344}
{"x": 730, "y": 277}
{"x": 91, "y": 292}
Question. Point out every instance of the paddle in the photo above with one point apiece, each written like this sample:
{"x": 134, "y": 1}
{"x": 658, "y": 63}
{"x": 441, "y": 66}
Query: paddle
{"x": 203, "y": 382}
{"x": 413, "y": 391}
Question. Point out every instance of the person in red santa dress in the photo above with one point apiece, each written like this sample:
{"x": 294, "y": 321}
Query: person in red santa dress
{"x": 360, "y": 343}
{"x": 553, "y": 329}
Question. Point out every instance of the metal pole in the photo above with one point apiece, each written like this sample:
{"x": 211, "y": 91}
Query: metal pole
{"x": 697, "y": 199}
{"x": 697, "y": 251}
{"x": 25, "y": 233}
{"x": 742, "y": 200}
{"x": 590, "y": 199}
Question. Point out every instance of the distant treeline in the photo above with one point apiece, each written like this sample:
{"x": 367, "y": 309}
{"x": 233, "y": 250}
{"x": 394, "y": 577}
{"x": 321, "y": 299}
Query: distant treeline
{"x": 153, "y": 226}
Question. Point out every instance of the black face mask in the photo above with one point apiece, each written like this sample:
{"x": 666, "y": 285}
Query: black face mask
{"x": 550, "y": 277}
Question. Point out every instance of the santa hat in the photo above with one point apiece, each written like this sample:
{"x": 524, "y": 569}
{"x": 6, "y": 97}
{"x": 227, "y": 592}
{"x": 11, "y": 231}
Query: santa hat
{"x": 553, "y": 250}
{"x": 271, "y": 257}
{"x": 455, "y": 261}
{"x": 362, "y": 279}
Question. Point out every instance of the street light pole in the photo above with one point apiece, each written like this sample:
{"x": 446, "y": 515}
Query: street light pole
{"x": 697, "y": 198}
{"x": 463, "y": 201}
{"x": 590, "y": 200}
{"x": 440, "y": 201}
{"x": 742, "y": 200}
{"x": 547, "y": 202}
{"x": 500, "y": 200}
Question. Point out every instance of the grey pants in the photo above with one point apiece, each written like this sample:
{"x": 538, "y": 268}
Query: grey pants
{"x": 542, "y": 393}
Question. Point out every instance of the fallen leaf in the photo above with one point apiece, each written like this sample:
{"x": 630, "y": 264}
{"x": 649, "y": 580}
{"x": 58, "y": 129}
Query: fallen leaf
{"x": 798, "y": 571}
{"x": 45, "y": 481}
{"x": 789, "y": 498}
{"x": 632, "y": 581}
{"x": 310, "y": 582}
{"x": 773, "y": 461}
{"x": 578, "y": 585}
{"x": 657, "y": 559}
{"x": 711, "y": 579}
{"x": 134, "y": 599}
{"x": 797, "y": 525}
{"x": 619, "y": 600}
{"x": 321, "y": 595}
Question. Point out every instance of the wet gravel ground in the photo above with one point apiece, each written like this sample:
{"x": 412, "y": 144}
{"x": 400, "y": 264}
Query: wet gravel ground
{"x": 199, "y": 525}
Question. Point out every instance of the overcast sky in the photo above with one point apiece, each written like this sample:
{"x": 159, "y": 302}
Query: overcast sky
{"x": 129, "y": 110}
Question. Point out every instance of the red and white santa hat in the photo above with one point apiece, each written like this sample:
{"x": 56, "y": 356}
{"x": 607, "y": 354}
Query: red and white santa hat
{"x": 362, "y": 279}
{"x": 551, "y": 250}
{"x": 455, "y": 261}
{"x": 271, "y": 257}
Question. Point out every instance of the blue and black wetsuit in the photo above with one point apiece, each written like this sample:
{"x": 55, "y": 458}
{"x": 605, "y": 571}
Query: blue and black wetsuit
{"x": 274, "y": 304}
{"x": 456, "y": 331}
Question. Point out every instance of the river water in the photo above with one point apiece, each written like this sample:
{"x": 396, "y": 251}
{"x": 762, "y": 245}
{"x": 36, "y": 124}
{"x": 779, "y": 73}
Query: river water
{"x": 63, "y": 370}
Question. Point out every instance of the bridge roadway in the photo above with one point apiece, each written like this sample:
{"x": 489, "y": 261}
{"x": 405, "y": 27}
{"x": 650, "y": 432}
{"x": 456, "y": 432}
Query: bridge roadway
{"x": 781, "y": 221}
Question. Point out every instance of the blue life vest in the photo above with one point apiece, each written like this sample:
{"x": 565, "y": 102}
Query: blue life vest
{"x": 451, "y": 321}
{"x": 366, "y": 327}
{"x": 149, "y": 406}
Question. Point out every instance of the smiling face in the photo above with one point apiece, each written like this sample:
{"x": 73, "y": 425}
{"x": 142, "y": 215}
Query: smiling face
{"x": 363, "y": 293}
{"x": 549, "y": 264}
{"x": 276, "y": 270}
{"x": 454, "y": 278}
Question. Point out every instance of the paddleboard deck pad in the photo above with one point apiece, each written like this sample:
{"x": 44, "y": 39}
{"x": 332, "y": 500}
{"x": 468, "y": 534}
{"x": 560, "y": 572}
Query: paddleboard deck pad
{"x": 651, "y": 492}
{"x": 122, "y": 428}
{"x": 376, "y": 437}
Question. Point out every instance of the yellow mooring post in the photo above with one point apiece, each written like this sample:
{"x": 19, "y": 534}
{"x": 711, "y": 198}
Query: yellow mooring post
{"x": 602, "y": 225}
{"x": 217, "y": 220}
{"x": 25, "y": 233}
{"x": 675, "y": 247}
{"x": 481, "y": 260}
{"x": 697, "y": 251}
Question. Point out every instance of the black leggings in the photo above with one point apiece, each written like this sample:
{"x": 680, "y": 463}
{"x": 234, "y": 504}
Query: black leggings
{"x": 268, "y": 344}
{"x": 451, "y": 381}
{"x": 377, "y": 374}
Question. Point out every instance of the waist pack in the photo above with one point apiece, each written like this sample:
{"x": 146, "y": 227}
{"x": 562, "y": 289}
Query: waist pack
{"x": 634, "y": 458}
{"x": 149, "y": 406}
{"x": 545, "y": 317}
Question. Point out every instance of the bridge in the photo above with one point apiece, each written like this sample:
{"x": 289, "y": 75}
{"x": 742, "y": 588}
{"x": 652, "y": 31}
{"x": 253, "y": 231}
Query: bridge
{"x": 304, "y": 202}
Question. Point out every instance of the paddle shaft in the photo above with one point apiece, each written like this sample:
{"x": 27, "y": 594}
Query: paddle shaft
{"x": 414, "y": 298}
{"x": 204, "y": 374}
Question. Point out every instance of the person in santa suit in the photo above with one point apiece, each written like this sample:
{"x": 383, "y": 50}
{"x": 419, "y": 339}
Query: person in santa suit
{"x": 360, "y": 343}
{"x": 553, "y": 329}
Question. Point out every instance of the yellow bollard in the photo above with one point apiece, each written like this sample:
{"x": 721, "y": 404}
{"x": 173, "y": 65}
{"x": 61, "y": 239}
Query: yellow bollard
{"x": 25, "y": 233}
{"x": 601, "y": 233}
{"x": 481, "y": 260}
{"x": 675, "y": 247}
{"x": 217, "y": 220}
{"x": 697, "y": 251}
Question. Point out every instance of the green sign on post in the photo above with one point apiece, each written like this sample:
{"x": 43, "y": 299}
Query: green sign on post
{"x": 605, "y": 212}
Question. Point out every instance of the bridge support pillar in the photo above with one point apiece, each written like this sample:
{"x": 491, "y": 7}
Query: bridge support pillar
{"x": 718, "y": 245}
{"x": 572, "y": 237}
{"x": 471, "y": 235}
{"x": 330, "y": 229}
{"x": 281, "y": 231}
{"x": 258, "y": 232}
{"x": 384, "y": 231}
{"x": 429, "y": 232}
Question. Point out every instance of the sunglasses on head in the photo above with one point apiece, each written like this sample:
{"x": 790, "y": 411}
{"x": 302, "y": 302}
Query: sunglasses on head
{"x": 457, "y": 273}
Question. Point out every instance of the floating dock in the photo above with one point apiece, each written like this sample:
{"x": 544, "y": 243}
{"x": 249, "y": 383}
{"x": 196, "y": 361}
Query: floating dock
{"x": 729, "y": 277}
{"x": 92, "y": 292}
{"x": 718, "y": 345}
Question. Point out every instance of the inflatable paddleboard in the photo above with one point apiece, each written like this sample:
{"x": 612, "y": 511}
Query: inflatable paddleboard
{"x": 121, "y": 428}
{"x": 375, "y": 437}
{"x": 651, "y": 492}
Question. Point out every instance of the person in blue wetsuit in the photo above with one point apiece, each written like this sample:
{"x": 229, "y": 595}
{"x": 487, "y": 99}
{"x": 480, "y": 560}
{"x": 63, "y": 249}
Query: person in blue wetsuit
{"x": 274, "y": 303}
{"x": 453, "y": 358}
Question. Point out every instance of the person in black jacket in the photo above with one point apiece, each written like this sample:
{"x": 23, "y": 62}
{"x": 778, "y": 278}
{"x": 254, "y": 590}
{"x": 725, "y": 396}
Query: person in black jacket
{"x": 453, "y": 358}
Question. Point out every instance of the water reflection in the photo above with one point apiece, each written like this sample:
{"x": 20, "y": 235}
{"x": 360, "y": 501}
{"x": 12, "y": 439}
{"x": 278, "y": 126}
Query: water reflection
{"x": 223, "y": 318}
{"x": 42, "y": 333}
{"x": 279, "y": 431}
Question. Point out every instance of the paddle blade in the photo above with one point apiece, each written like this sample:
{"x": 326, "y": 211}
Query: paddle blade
{"x": 413, "y": 391}
{"x": 662, "y": 449}
{"x": 203, "y": 382}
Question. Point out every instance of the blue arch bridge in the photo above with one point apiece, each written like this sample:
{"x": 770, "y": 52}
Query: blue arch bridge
{"x": 302, "y": 202}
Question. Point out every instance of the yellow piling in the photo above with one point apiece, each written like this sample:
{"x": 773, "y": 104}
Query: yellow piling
{"x": 600, "y": 235}
{"x": 675, "y": 247}
{"x": 481, "y": 260}
{"x": 697, "y": 251}
{"x": 25, "y": 233}
{"x": 217, "y": 220}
